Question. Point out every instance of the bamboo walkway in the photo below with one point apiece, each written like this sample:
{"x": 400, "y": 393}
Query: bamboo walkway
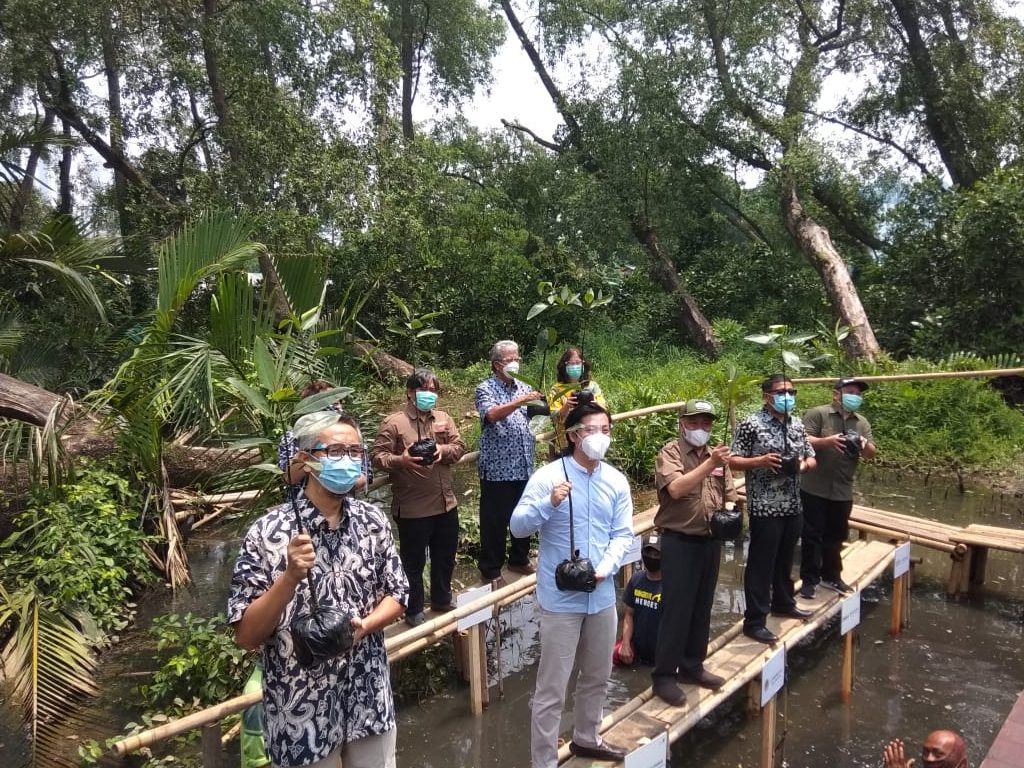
{"x": 736, "y": 658}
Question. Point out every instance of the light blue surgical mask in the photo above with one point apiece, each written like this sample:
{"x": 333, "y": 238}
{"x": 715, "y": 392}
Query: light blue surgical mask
{"x": 574, "y": 370}
{"x": 852, "y": 402}
{"x": 425, "y": 400}
{"x": 339, "y": 475}
{"x": 784, "y": 403}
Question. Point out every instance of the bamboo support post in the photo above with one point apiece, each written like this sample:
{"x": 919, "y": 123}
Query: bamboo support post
{"x": 213, "y": 754}
{"x": 209, "y": 716}
{"x": 846, "y": 683}
{"x": 899, "y": 586}
{"x": 477, "y": 670}
{"x": 768, "y": 717}
{"x": 979, "y": 562}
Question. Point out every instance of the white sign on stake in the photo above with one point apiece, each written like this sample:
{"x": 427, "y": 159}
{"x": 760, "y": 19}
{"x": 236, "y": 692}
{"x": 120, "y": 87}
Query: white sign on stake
{"x": 633, "y": 554}
{"x": 851, "y": 613}
{"x": 773, "y": 675}
{"x": 480, "y": 616}
{"x": 901, "y": 563}
{"x": 653, "y": 754}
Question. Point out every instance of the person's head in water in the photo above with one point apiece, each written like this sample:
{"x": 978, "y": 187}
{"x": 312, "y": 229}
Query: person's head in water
{"x": 944, "y": 749}
{"x": 650, "y": 553}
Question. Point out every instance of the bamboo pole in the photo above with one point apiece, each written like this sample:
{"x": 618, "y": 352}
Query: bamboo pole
{"x": 893, "y": 534}
{"x": 768, "y": 713}
{"x": 846, "y": 682}
{"x": 477, "y": 670}
{"x": 898, "y": 588}
{"x": 937, "y": 375}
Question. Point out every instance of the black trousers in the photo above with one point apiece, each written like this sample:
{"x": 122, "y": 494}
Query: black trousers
{"x": 440, "y": 535}
{"x": 689, "y": 574}
{"x": 826, "y": 527}
{"x": 767, "y": 583}
{"x": 497, "y": 500}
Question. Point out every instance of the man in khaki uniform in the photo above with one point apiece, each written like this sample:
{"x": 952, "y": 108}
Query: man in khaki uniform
{"x": 692, "y": 481}
{"x": 422, "y": 496}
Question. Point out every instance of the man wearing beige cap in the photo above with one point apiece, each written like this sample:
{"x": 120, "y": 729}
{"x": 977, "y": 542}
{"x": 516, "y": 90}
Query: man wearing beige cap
{"x": 692, "y": 481}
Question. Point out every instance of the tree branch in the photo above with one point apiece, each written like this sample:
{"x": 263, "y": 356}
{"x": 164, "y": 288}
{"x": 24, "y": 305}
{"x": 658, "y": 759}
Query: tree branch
{"x": 543, "y": 142}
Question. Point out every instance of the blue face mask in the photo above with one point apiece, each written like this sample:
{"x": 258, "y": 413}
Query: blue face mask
{"x": 339, "y": 475}
{"x": 852, "y": 402}
{"x": 425, "y": 400}
{"x": 574, "y": 371}
{"x": 784, "y": 403}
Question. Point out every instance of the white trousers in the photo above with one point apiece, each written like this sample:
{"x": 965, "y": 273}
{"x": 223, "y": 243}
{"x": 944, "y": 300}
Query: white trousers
{"x": 585, "y": 640}
{"x": 368, "y": 752}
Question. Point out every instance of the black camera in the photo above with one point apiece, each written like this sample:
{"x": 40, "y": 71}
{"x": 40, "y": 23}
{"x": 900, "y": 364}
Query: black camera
{"x": 726, "y": 523}
{"x": 853, "y": 444}
{"x": 424, "y": 449}
{"x": 576, "y": 574}
{"x": 322, "y": 635}
{"x": 790, "y": 466}
{"x": 584, "y": 397}
{"x": 537, "y": 409}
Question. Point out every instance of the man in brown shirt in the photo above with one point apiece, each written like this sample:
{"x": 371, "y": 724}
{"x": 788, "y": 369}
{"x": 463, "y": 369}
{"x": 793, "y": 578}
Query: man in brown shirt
{"x": 422, "y": 496}
{"x": 692, "y": 481}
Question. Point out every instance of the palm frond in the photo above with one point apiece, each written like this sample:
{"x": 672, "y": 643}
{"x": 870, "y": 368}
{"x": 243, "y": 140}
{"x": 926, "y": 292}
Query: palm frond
{"x": 49, "y": 664}
{"x": 303, "y": 279}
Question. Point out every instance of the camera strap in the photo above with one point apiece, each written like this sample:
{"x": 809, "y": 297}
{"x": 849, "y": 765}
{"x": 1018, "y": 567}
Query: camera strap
{"x": 573, "y": 552}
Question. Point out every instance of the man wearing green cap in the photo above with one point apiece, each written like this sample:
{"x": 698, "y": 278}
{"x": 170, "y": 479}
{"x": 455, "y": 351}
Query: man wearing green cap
{"x": 692, "y": 481}
{"x": 840, "y": 437}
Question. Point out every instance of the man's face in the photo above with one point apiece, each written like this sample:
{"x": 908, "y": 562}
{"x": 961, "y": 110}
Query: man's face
{"x": 700, "y": 421}
{"x": 510, "y": 356}
{"x": 591, "y": 424}
{"x": 849, "y": 389}
{"x": 340, "y": 439}
{"x": 939, "y": 751}
{"x": 778, "y": 388}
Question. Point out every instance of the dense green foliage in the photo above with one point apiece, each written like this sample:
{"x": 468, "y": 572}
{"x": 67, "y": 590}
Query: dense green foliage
{"x": 80, "y": 546}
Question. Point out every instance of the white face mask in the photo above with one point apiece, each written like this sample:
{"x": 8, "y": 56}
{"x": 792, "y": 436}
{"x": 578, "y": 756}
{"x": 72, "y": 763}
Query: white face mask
{"x": 511, "y": 369}
{"x": 595, "y": 446}
{"x": 696, "y": 437}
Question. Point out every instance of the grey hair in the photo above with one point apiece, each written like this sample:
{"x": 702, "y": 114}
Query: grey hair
{"x": 307, "y": 428}
{"x": 499, "y": 350}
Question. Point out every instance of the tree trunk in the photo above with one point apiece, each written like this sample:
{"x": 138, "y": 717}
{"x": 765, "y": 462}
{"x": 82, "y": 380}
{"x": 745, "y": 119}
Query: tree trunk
{"x": 218, "y": 94}
{"x": 112, "y": 69}
{"x": 28, "y": 181}
{"x": 65, "y": 203}
{"x": 815, "y": 243}
{"x": 406, "y": 56}
{"x": 688, "y": 314}
{"x": 939, "y": 109}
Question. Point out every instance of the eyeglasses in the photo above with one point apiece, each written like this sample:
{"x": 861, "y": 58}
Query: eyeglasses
{"x": 510, "y": 359}
{"x": 338, "y": 450}
{"x": 593, "y": 429}
{"x": 782, "y": 392}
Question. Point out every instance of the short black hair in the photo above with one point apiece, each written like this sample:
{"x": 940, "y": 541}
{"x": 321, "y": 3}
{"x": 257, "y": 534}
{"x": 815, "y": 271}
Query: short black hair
{"x": 771, "y": 381}
{"x": 576, "y": 415}
{"x": 422, "y": 377}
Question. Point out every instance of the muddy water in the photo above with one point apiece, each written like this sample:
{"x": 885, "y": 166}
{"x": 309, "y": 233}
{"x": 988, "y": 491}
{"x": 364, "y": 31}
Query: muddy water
{"x": 958, "y": 665}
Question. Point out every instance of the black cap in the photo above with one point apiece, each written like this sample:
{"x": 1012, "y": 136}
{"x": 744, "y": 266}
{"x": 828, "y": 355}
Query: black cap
{"x": 652, "y": 541}
{"x": 851, "y": 382}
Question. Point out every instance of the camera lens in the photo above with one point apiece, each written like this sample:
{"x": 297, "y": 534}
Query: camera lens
{"x": 790, "y": 465}
{"x": 424, "y": 449}
{"x": 853, "y": 444}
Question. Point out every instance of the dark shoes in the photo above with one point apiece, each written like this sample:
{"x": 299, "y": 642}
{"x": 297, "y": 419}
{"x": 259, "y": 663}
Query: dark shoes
{"x": 415, "y": 619}
{"x": 762, "y": 635}
{"x": 705, "y": 680}
{"x": 807, "y": 591}
{"x": 794, "y": 613}
{"x": 525, "y": 569}
{"x": 604, "y": 752}
{"x": 442, "y": 608}
{"x": 837, "y": 585}
{"x": 666, "y": 689}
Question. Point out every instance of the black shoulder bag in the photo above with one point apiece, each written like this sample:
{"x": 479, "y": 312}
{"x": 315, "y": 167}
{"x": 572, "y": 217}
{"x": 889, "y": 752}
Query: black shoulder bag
{"x": 575, "y": 573}
{"x": 324, "y": 632}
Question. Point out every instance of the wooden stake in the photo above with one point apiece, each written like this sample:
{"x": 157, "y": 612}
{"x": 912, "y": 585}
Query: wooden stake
{"x": 899, "y": 585}
{"x": 846, "y": 686}
{"x": 213, "y": 755}
{"x": 477, "y": 670}
{"x": 768, "y": 733}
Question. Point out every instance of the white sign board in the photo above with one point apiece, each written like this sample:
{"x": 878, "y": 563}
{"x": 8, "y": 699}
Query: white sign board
{"x": 773, "y": 675}
{"x": 901, "y": 564}
{"x": 480, "y": 616}
{"x": 851, "y": 613}
{"x": 653, "y": 754}
{"x": 633, "y": 554}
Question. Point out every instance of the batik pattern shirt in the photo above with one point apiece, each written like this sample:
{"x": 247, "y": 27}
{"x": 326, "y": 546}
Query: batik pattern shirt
{"x": 507, "y": 445}
{"x": 310, "y": 712}
{"x": 770, "y": 493}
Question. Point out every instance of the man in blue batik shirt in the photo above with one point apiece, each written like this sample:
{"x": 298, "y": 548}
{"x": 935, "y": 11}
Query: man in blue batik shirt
{"x": 576, "y": 627}
{"x": 506, "y": 460}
